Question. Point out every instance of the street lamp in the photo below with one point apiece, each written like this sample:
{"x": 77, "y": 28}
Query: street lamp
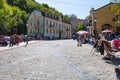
{"x": 95, "y": 30}
{"x": 27, "y": 25}
{"x": 27, "y": 28}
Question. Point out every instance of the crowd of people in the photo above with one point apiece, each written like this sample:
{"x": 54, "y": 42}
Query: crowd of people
{"x": 16, "y": 39}
{"x": 90, "y": 39}
{"x": 13, "y": 40}
{"x": 112, "y": 40}
{"x": 84, "y": 38}
{"x": 105, "y": 42}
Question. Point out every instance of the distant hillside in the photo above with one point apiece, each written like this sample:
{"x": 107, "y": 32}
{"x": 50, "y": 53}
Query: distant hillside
{"x": 14, "y": 15}
{"x": 30, "y": 5}
{"x": 76, "y": 21}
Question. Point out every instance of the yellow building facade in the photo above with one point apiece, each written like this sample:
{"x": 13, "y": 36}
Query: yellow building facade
{"x": 104, "y": 18}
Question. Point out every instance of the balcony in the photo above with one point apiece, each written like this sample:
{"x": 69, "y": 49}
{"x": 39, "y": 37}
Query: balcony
{"x": 51, "y": 25}
{"x": 67, "y": 29}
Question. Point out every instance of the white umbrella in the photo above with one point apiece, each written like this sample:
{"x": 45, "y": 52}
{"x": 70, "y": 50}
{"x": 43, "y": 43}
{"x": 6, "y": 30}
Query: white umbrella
{"x": 107, "y": 31}
{"x": 82, "y": 32}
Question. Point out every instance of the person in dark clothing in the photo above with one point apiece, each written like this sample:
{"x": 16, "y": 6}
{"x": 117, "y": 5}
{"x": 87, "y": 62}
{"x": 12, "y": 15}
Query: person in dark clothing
{"x": 96, "y": 45}
{"x": 117, "y": 71}
{"x": 101, "y": 48}
{"x": 111, "y": 36}
{"x": 26, "y": 41}
{"x": 12, "y": 38}
{"x": 35, "y": 36}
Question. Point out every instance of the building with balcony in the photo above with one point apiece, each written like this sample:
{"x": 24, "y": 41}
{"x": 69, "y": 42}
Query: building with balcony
{"x": 102, "y": 18}
{"x": 47, "y": 25}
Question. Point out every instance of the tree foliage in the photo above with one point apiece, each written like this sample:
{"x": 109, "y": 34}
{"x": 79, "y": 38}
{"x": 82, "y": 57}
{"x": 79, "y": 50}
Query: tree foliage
{"x": 14, "y": 14}
{"x": 115, "y": 1}
{"x": 5, "y": 18}
{"x": 23, "y": 3}
{"x": 66, "y": 17}
{"x": 116, "y": 8}
{"x": 80, "y": 27}
{"x": 11, "y": 17}
{"x": 73, "y": 16}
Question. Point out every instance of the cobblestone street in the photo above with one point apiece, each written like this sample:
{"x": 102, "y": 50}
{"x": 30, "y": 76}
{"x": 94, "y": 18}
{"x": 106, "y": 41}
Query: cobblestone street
{"x": 52, "y": 60}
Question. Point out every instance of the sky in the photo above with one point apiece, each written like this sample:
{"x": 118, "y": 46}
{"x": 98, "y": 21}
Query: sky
{"x": 80, "y": 8}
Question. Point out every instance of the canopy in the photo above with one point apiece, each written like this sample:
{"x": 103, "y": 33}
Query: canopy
{"x": 82, "y": 32}
{"x": 107, "y": 31}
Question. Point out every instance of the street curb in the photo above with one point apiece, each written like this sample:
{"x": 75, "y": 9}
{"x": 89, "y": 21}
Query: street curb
{"x": 18, "y": 46}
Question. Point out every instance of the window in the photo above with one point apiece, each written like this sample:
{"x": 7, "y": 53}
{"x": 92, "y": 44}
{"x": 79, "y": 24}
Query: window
{"x": 55, "y": 24}
{"x": 46, "y": 30}
{"x": 50, "y": 24}
{"x": 50, "y": 30}
{"x": 53, "y": 31}
{"x": 47, "y": 22}
{"x": 56, "y": 31}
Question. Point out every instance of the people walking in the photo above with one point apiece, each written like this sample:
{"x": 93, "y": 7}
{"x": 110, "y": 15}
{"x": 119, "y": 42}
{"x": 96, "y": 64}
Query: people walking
{"x": 17, "y": 39}
{"x": 12, "y": 38}
{"x": 79, "y": 40}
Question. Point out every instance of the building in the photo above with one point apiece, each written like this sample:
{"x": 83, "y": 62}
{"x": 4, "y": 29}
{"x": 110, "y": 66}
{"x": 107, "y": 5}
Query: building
{"x": 48, "y": 26}
{"x": 75, "y": 22}
{"x": 103, "y": 18}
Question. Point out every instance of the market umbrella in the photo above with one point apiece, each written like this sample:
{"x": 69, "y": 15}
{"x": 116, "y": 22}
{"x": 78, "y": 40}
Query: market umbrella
{"x": 82, "y": 32}
{"x": 107, "y": 31}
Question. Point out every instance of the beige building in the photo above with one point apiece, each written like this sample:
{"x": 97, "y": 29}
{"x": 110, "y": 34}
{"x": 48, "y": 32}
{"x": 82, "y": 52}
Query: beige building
{"x": 49, "y": 26}
{"x": 103, "y": 18}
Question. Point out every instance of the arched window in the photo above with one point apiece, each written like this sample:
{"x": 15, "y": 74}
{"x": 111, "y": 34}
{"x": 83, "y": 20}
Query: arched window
{"x": 106, "y": 26}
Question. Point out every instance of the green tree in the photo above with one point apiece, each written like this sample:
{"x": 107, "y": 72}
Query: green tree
{"x": 66, "y": 17}
{"x": 45, "y": 5}
{"x": 80, "y": 27}
{"x": 22, "y": 4}
{"x": 18, "y": 20}
{"x": 116, "y": 8}
{"x": 18, "y": 13}
{"x": 2, "y": 4}
{"x": 73, "y": 16}
{"x": 11, "y": 17}
{"x": 30, "y": 5}
{"x": 5, "y": 12}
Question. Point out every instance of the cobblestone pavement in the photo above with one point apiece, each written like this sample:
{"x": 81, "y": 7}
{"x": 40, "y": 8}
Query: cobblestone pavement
{"x": 46, "y": 60}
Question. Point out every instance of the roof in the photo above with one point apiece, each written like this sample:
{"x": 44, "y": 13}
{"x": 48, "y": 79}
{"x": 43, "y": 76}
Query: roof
{"x": 51, "y": 16}
{"x": 104, "y": 6}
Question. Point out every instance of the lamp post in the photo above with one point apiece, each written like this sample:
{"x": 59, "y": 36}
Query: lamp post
{"x": 27, "y": 28}
{"x": 27, "y": 25}
{"x": 95, "y": 30}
